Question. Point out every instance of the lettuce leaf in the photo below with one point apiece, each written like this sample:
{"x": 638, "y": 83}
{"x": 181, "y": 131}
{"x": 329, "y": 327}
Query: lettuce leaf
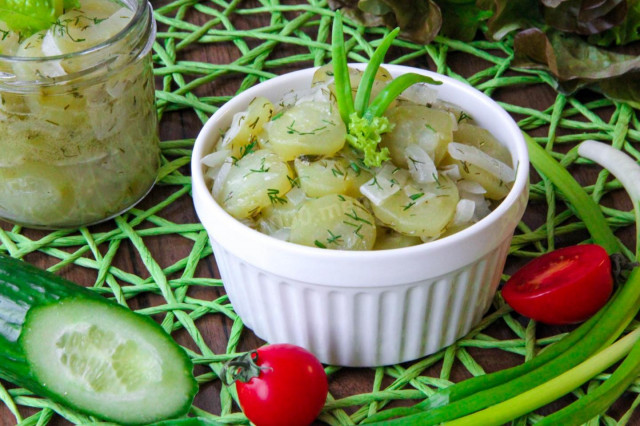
{"x": 586, "y": 17}
{"x": 626, "y": 32}
{"x": 625, "y": 88}
{"x": 419, "y": 20}
{"x": 575, "y": 63}
{"x": 565, "y": 37}
{"x": 29, "y": 16}
{"x": 462, "y": 18}
{"x": 510, "y": 15}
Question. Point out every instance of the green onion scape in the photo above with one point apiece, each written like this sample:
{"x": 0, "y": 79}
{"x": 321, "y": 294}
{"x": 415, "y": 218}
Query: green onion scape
{"x": 499, "y": 397}
{"x": 365, "y": 122}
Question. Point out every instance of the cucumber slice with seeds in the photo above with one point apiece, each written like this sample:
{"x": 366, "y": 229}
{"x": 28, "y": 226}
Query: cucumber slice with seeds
{"x": 64, "y": 342}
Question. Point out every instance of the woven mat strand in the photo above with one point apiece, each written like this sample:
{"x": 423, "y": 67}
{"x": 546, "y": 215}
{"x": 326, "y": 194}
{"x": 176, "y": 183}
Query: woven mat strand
{"x": 304, "y": 29}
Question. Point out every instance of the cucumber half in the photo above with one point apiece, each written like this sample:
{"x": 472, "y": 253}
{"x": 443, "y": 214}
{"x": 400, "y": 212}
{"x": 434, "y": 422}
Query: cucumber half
{"x": 87, "y": 352}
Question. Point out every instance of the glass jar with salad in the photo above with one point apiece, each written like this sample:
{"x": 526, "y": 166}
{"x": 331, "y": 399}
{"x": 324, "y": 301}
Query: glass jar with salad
{"x": 78, "y": 126}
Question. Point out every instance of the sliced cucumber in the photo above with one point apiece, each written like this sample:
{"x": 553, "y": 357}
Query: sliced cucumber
{"x": 64, "y": 342}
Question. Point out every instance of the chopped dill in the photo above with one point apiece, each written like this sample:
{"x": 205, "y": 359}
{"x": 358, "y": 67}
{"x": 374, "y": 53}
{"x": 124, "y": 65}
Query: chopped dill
{"x": 274, "y": 196}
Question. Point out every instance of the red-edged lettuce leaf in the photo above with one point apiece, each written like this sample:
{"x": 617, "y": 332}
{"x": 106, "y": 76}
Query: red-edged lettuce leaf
{"x": 419, "y": 20}
{"x": 510, "y": 15}
{"x": 350, "y": 9}
{"x": 627, "y": 32}
{"x": 548, "y": 42}
{"x": 586, "y": 17}
{"x": 625, "y": 88}
{"x": 576, "y": 63}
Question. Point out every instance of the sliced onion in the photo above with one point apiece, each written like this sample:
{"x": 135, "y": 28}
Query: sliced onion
{"x": 428, "y": 140}
{"x": 421, "y": 94}
{"x": 234, "y": 129}
{"x": 482, "y": 204}
{"x": 210, "y": 174}
{"x": 220, "y": 178}
{"x": 452, "y": 171}
{"x": 454, "y": 121}
{"x": 387, "y": 181}
{"x": 49, "y": 46}
{"x": 464, "y": 212}
{"x": 216, "y": 158}
{"x": 478, "y": 158}
{"x": 417, "y": 196}
{"x": 470, "y": 187}
{"x": 315, "y": 94}
{"x": 282, "y": 234}
{"x": 296, "y": 196}
{"x": 421, "y": 166}
{"x": 429, "y": 239}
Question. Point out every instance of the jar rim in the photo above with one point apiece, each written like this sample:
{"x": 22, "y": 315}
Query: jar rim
{"x": 143, "y": 7}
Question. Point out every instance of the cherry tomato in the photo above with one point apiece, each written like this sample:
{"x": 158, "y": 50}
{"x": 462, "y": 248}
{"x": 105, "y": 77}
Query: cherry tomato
{"x": 281, "y": 385}
{"x": 564, "y": 286}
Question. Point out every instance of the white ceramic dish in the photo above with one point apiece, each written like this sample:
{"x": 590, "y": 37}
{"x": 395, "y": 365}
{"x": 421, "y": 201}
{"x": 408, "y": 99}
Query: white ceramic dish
{"x": 363, "y": 308}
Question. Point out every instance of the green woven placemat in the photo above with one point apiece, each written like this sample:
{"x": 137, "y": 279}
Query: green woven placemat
{"x": 296, "y": 36}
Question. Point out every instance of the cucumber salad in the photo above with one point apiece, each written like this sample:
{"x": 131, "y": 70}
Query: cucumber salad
{"x": 78, "y": 126}
{"x": 289, "y": 169}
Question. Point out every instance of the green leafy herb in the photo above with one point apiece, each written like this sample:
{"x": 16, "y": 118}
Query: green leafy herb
{"x": 294, "y": 182}
{"x": 365, "y": 121}
{"x": 31, "y": 16}
{"x": 354, "y": 215}
{"x": 408, "y": 205}
{"x": 274, "y": 196}
{"x": 319, "y": 244}
{"x": 366, "y": 135}
{"x": 292, "y": 130}
{"x": 333, "y": 238}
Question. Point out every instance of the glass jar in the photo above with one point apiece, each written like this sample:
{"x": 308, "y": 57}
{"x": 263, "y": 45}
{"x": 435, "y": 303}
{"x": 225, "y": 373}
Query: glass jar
{"x": 78, "y": 131}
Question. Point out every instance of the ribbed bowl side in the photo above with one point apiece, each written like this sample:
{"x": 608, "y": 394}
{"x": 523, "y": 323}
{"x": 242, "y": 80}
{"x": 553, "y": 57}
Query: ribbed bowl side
{"x": 362, "y": 326}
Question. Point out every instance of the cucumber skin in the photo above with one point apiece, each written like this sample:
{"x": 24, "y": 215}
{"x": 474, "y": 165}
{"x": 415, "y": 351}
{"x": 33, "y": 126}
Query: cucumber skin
{"x": 24, "y": 286}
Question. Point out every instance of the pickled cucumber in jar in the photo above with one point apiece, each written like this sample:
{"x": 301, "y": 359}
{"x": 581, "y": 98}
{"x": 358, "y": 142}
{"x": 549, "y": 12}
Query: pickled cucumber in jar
{"x": 78, "y": 126}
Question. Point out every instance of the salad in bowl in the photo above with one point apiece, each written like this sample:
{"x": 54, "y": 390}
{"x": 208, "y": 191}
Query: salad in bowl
{"x": 369, "y": 226}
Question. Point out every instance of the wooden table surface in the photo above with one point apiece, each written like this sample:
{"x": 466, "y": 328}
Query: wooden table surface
{"x": 216, "y": 330}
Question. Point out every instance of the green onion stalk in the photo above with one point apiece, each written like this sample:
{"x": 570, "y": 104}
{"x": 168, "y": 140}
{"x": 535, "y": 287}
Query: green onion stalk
{"x": 562, "y": 367}
{"x": 365, "y": 121}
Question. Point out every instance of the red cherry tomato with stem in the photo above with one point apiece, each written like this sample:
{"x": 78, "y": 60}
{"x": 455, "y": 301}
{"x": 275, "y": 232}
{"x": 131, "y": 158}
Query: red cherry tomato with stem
{"x": 280, "y": 385}
{"x": 564, "y": 286}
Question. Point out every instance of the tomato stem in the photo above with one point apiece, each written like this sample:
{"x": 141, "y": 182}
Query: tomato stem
{"x": 621, "y": 266}
{"x": 243, "y": 368}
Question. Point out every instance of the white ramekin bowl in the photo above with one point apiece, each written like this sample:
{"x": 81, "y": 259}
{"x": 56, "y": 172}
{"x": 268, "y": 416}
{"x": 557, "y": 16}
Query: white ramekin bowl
{"x": 363, "y": 308}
